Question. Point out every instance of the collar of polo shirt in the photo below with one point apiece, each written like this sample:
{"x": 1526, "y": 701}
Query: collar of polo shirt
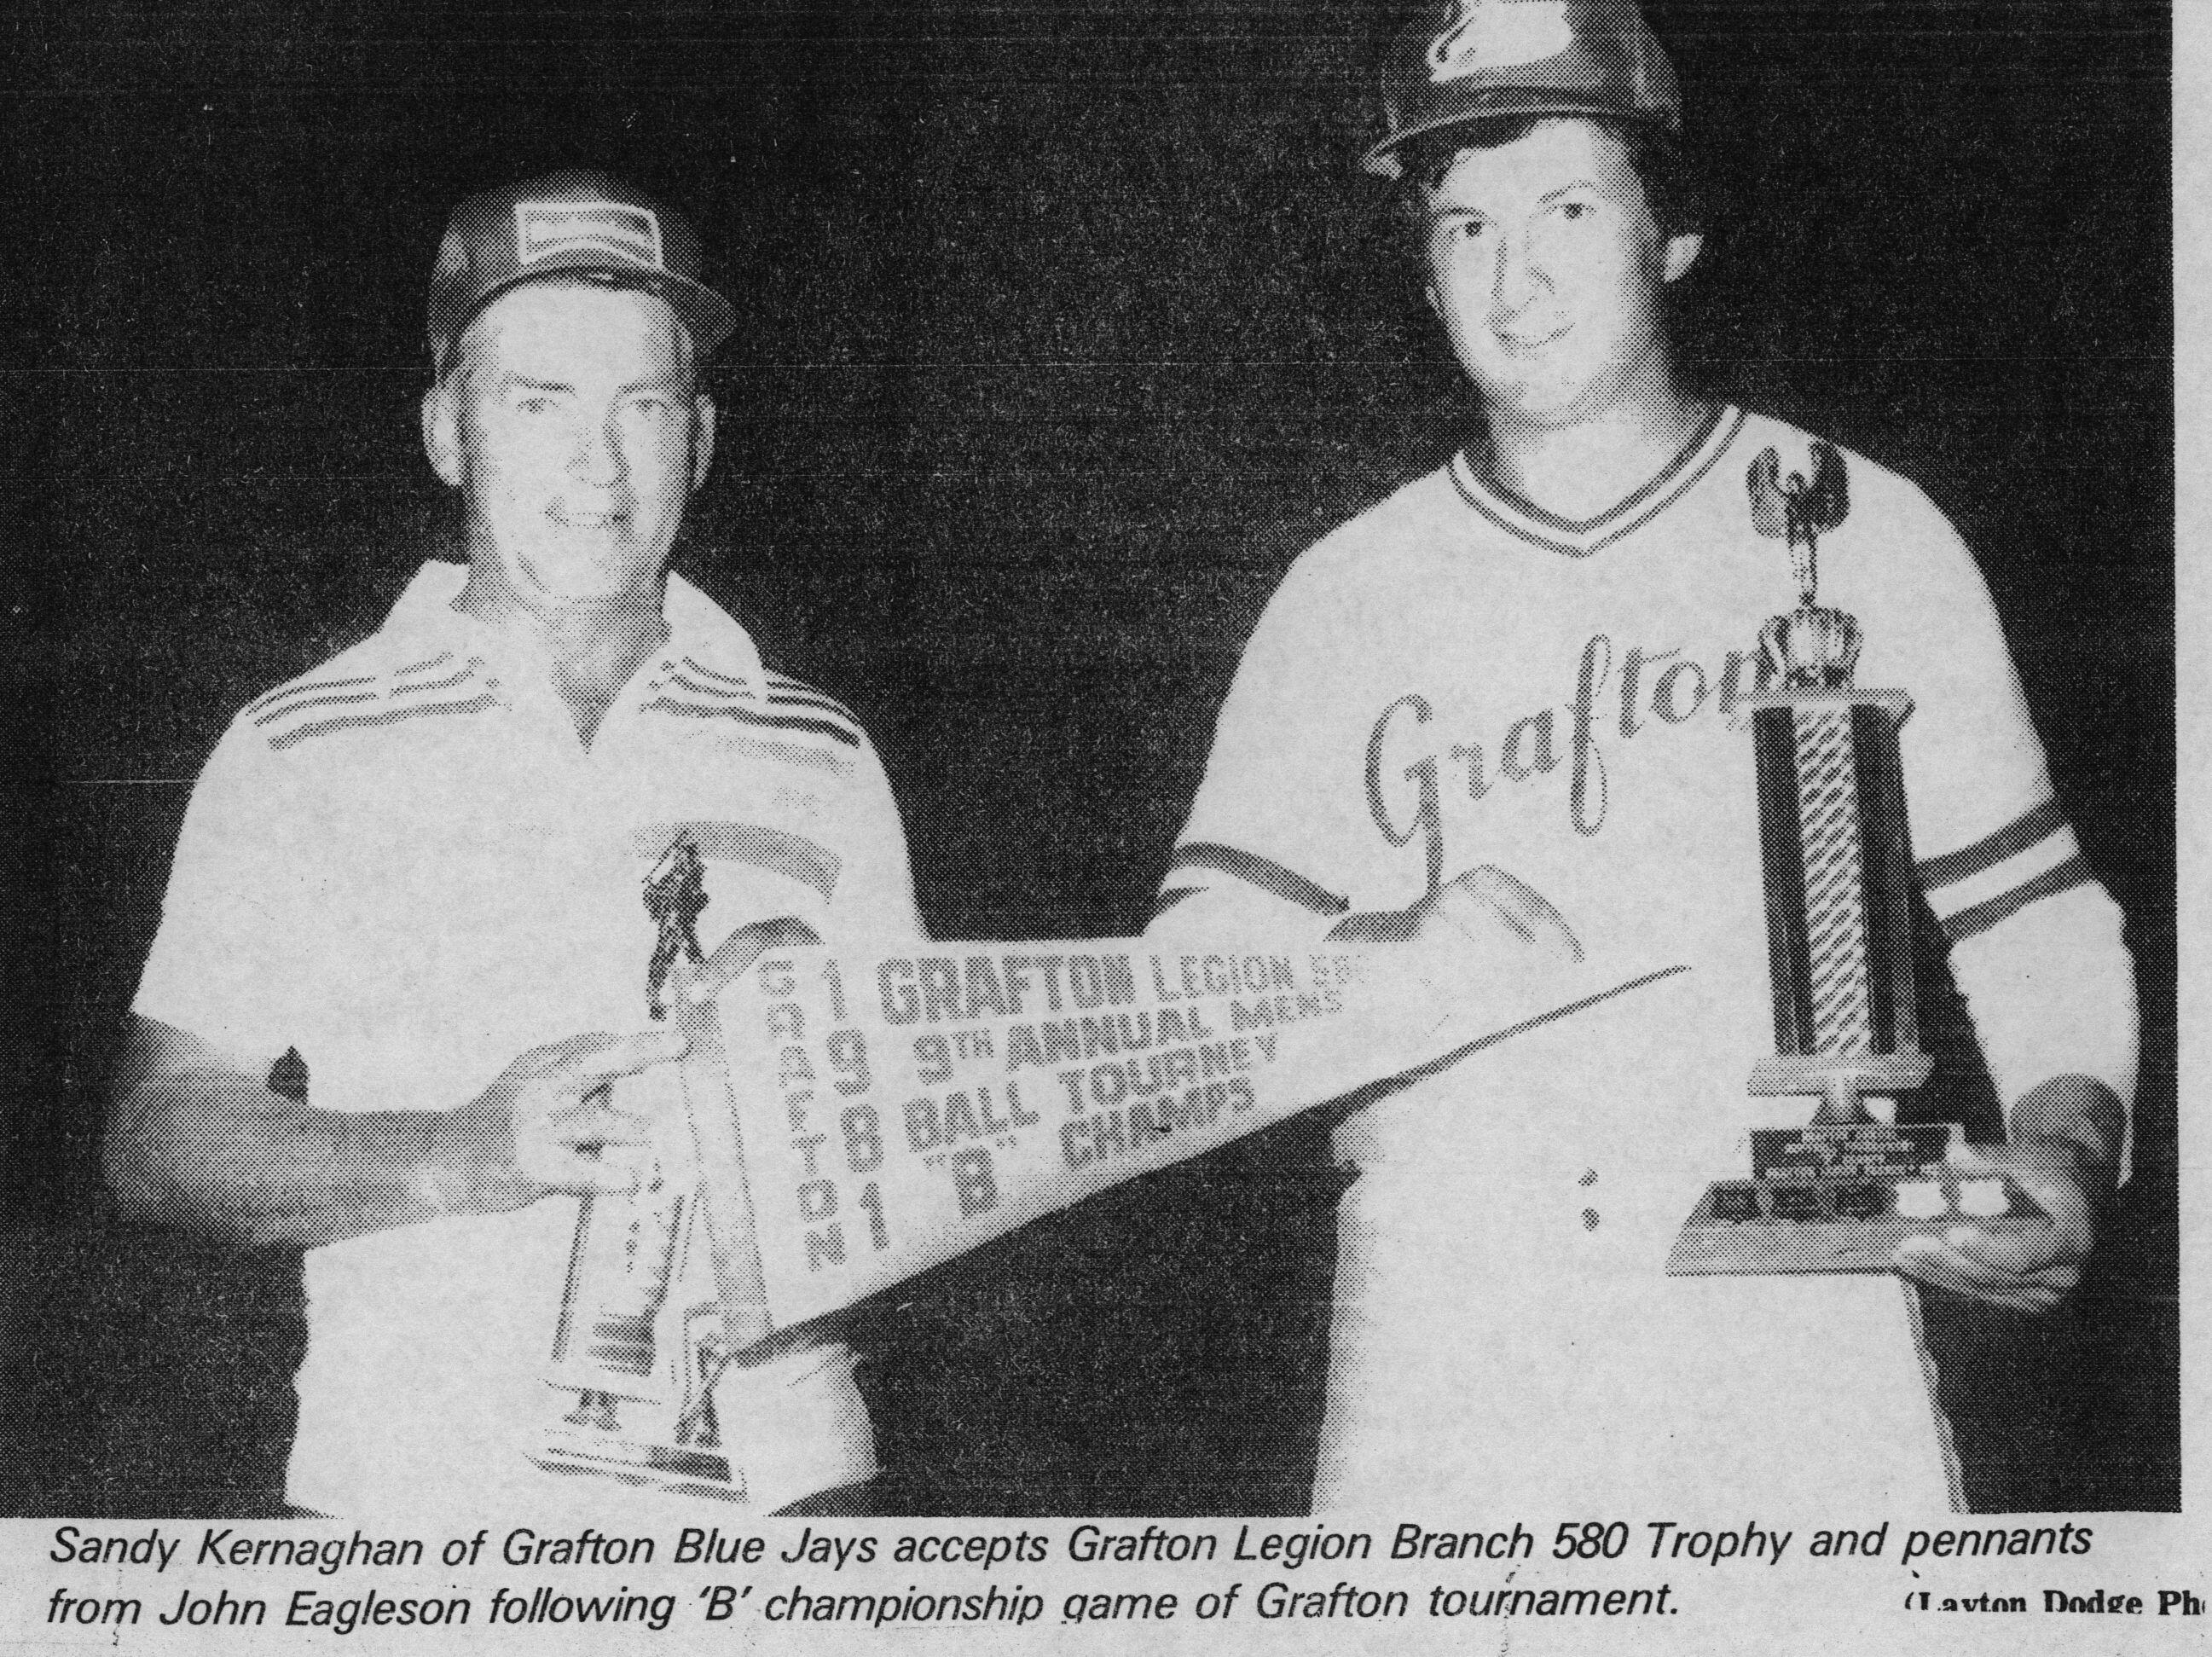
{"x": 697, "y": 627}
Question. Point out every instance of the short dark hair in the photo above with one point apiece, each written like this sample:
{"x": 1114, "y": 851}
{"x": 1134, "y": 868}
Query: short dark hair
{"x": 1673, "y": 174}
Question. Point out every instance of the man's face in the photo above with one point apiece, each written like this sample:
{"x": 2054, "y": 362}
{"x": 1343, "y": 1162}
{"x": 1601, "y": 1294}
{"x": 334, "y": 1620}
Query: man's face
{"x": 571, "y": 424}
{"x": 1547, "y": 270}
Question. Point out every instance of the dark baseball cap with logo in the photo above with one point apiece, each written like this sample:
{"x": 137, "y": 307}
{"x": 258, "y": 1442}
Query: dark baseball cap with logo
{"x": 1476, "y": 60}
{"x": 569, "y": 227}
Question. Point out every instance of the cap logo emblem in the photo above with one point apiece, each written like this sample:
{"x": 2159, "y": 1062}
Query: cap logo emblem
{"x": 1488, "y": 34}
{"x": 544, "y": 230}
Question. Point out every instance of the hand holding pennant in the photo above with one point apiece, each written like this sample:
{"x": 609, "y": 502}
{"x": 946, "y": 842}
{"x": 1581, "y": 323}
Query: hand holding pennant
{"x": 862, "y": 1114}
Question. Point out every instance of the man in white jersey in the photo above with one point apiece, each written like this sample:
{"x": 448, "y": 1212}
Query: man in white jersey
{"x": 1531, "y": 659}
{"x": 405, "y": 952}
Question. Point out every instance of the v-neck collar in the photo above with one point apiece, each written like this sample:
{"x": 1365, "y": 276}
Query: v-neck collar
{"x": 1579, "y": 539}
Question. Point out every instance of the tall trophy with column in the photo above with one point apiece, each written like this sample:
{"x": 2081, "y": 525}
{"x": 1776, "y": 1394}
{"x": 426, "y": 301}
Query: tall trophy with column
{"x": 1840, "y": 1194}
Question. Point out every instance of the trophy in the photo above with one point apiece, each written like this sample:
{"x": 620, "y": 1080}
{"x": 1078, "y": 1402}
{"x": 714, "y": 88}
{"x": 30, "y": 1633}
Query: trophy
{"x": 1840, "y": 1194}
{"x": 664, "y": 1285}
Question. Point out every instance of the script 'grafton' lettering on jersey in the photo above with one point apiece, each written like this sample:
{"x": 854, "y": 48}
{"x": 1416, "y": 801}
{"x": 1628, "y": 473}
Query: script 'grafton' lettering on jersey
{"x": 1407, "y": 745}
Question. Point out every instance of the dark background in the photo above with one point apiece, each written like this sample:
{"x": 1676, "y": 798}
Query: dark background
{"x": 1064, "y": 328}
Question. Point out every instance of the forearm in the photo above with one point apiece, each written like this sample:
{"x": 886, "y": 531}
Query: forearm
{"x": 2051, "y": 991}
{"x": 210, "y": 1149}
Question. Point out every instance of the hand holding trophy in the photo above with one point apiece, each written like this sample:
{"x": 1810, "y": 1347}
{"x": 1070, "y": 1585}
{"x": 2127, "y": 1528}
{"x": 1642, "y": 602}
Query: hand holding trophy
{"x": 646, "y": 1330}
{"x": 1844, "y": 1193}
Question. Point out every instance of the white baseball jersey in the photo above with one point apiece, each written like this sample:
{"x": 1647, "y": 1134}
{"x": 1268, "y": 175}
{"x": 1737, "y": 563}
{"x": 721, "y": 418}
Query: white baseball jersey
{"x": 1456, "y": 679}
{"x": 405, "y": 865}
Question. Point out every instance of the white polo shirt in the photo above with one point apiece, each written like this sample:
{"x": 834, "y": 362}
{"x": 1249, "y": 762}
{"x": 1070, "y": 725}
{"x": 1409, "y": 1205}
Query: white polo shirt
{"x": 406, "y": 865}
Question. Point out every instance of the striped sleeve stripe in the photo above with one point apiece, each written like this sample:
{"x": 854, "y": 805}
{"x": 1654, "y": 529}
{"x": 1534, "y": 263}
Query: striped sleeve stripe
{"x": 714, "y": 674}
{"x": 2013, "y": 872}
{"x": 812, "y": 705}
{"x": 699, "y": 687}
{"x": 338, "y": 700}
{"x": 790, "y": 693}
{"x": 782, "y": 691}
{"x": 458, "y": 676}
{"x": 2074, "y": 872}
{"x": 746, "y": 716}
{"x": 299, "y": 734}
{"x": 1974, "y": 888}
{"x": 291, "y": 694}
{"x": 388, "y": 690}
{"x": 1258, "y": 872}
{"x": 2013, "y": 837}
{"x": 282, "y": 692}
{"x": 794, "y": 699}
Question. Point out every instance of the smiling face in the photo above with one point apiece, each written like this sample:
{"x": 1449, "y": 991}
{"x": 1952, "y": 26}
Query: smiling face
{"x": 1548, "y": 270}
{"x": 572, "y": 424}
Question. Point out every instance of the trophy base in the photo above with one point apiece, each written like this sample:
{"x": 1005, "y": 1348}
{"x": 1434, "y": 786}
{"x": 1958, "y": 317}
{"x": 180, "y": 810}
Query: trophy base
{"x": 648, "y": 1449}
{"x": 672, "y": 1468}
{"x": 1840, "y": 1198}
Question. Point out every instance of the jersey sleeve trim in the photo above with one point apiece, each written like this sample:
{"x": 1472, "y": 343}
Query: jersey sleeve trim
{"x": 262, "y": 704}
{"x": 480, "y": 703}
{"x": 336, "y": 699}
{"x": 784, "y": 692}
{"x": 1967, "y": 923}
{"x": 835, "y": 731}
{"x": 730, "y": 680}
{"x": 1167, "y": 900}
{"x": 2015, "y": 837}
{"x": 2033, "y": 857}
{"x": 1255, "y": 870}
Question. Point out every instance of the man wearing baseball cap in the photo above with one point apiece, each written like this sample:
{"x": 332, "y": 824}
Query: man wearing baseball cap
{"x": 398, "y": 1012}
{"x": 1535, "y": 658}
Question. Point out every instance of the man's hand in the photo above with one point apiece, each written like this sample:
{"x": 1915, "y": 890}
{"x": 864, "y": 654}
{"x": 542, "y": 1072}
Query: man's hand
{"x": 2030, "y": 1273}
{"x": 1485, "y": 897}
{"x": 195, "y": 1142}
{"x": 549, "y": 1123}
{"x": 1476, "y": 904}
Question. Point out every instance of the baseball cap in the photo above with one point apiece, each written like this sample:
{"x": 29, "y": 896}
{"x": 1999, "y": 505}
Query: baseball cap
{"x": 1475, "y": 60}
{"x": 569, "y": 225}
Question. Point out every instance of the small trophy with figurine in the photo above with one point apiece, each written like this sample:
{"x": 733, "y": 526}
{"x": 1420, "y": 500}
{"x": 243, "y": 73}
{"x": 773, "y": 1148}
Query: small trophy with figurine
{"x": 663, "y": 1287}
{"x": 1840, "y": 1194}
{"x": 675, "y": 897}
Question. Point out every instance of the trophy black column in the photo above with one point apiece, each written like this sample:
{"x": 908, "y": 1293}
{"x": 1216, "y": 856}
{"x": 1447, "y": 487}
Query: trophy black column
{"x": 1837, "y": 861}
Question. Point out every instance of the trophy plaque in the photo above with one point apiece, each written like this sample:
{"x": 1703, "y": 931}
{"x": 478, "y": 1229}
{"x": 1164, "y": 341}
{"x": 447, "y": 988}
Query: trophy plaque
{"x": 1840, "y": 1194}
